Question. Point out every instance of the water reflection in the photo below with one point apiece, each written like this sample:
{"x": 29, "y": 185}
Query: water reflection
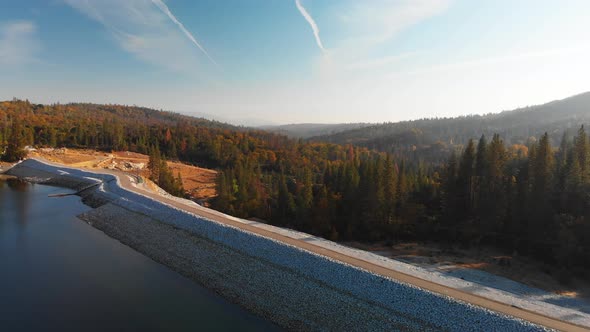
{"x": 19, "y": 187}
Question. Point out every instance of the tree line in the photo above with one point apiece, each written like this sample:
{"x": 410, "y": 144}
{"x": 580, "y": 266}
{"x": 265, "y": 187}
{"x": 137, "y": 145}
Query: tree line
{"x": 534, "y": 200}
{"x": 432, "y": 139}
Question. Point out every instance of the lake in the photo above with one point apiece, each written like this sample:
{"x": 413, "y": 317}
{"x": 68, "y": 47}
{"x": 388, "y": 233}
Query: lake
{"x": 59, "y": 273}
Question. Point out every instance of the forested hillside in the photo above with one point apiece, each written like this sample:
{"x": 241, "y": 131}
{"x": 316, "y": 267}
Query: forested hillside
{"x": 531, "y": 198}
{"x": 307, "y": 130}
{"x": 433, "y": 139}
{"x": 534, "y": 200}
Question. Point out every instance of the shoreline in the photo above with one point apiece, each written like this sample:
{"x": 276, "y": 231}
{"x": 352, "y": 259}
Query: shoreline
{"x": 4, "y": 177}
{"x": 144, "y": 223}
{"x": 4, "y": 167}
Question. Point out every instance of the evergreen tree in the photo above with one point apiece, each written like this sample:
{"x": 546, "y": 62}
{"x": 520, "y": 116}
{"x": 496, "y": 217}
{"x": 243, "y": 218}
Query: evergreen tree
{"x": 481, "y": 172}
{"x": 541, "y": 191}
{"x": 495, "y": 203}
{"x": 561, "y": 171}
{"x": 321, "y": 215}
{"x": 179, "y": 186}
{"x": 543, "y": 167}
{"x": 403, "y": 186}
{"x": 465, "y": 177}
{"x": 562, "y": 153}
{"x": 496, "y": 162}
{"x": 286, "y": 203}
{"x": 573, "y": 187}
{"x": 581, "y": 153}
{"x": 154, "y": 163}
{"x": 449, "y": 200}
{"x": 14, "y": 148}
{"x": 481, "y": 163}
{"x": 304, "y": 200}
{"x": 389, "y": 184}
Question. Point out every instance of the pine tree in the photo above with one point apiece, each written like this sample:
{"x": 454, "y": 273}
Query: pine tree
{"x": 154, "y": 164}
{"x": 481, "y": 163}
{"x": 321, "y": 214}
{"x": 304, "y": 200}
{"x": 494, "y": 204}
{"x": 543, "y": 167}
{"x": 496, "y": 162}
{"x": 573, "y": 187}
{"x": 403, "y": 185}
{"x": 581, "y": 153}
{"x": 563, "y": 152}
{"x": 561, "y": 172}
{"x": 370, "y": 217}
{"x": 449, "y": 192}
{"x": 481, "y": 172}
{"x": 286, "y": 203}
{"x": 465, "y": 178}
{"x": 542, "y": 190}
{"x": 14, "y": 149}
{"x": 179, "y": 186}
{"x": 389, "y": 184}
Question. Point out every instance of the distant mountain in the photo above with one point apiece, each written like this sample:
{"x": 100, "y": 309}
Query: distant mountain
{"x": 307, "y": 130}
{"x": 127, "y": 114}
{"x": 104, "y": 126}
{"x": 435, "y": 138}
{"x": 248, "y": 121}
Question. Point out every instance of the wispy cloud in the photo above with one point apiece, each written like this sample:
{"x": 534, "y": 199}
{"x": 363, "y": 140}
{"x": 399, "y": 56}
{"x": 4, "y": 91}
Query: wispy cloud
{"x": 18, "y": 43}
{"x": 314, "y": 26}
{"x": 368, "y": 27}
{"x": 146, "y": 29}
{"x": 189, "y": 35}
{"x": 378, "y": 21}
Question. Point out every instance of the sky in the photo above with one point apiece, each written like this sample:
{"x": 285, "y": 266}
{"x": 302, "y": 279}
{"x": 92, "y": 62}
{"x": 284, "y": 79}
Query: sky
{"x": 259, "y": 62}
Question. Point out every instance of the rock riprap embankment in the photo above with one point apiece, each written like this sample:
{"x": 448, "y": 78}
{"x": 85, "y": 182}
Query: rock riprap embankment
{"x": 292, "y": 287}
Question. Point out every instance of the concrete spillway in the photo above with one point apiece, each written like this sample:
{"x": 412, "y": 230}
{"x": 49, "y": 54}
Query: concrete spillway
{"x": 295, "y": 288}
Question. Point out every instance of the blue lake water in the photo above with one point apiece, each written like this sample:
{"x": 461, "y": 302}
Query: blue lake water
{"x": 59, "y": 273}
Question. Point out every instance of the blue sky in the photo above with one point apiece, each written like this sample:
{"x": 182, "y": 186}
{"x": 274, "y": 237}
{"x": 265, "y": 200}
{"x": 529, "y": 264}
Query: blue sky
{"x": 288, "y": 61}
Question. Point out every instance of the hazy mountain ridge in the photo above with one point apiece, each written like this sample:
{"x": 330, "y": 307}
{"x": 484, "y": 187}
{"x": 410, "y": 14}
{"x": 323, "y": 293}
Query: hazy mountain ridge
{"x": 515, "y": 127}
{"x": 140, "y": 114}
{"x": 308, "y": 130}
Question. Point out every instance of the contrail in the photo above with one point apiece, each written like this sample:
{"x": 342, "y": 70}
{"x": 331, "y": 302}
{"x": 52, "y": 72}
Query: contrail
{"x": 314, "y": 27}
{"x": 189, "y": 35}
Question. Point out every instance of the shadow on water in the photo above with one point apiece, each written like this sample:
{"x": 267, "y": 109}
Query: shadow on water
{"x": 23, "y": 203}
{"x": 17, "y": 185}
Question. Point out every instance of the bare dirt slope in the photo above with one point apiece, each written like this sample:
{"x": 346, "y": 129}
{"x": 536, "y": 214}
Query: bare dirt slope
{"x": 198, "y": 182}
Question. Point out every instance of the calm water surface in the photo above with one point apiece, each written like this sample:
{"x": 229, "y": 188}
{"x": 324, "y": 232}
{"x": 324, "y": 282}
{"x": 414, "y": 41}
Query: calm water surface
{"x": 58, "y": 273}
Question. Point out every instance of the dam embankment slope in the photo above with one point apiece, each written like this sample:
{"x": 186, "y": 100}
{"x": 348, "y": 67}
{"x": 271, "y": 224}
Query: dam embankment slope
{"x": 294, "y": 283}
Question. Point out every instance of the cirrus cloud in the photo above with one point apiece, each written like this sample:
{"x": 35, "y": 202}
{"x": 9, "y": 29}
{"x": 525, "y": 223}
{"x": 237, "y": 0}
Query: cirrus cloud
{"x": 146, "y": 29}
{"x": 364, "y": 28}
{"x": 18, "y": 43}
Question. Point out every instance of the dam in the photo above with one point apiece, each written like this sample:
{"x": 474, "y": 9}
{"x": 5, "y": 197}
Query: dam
{"x": 292, "y": 279}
